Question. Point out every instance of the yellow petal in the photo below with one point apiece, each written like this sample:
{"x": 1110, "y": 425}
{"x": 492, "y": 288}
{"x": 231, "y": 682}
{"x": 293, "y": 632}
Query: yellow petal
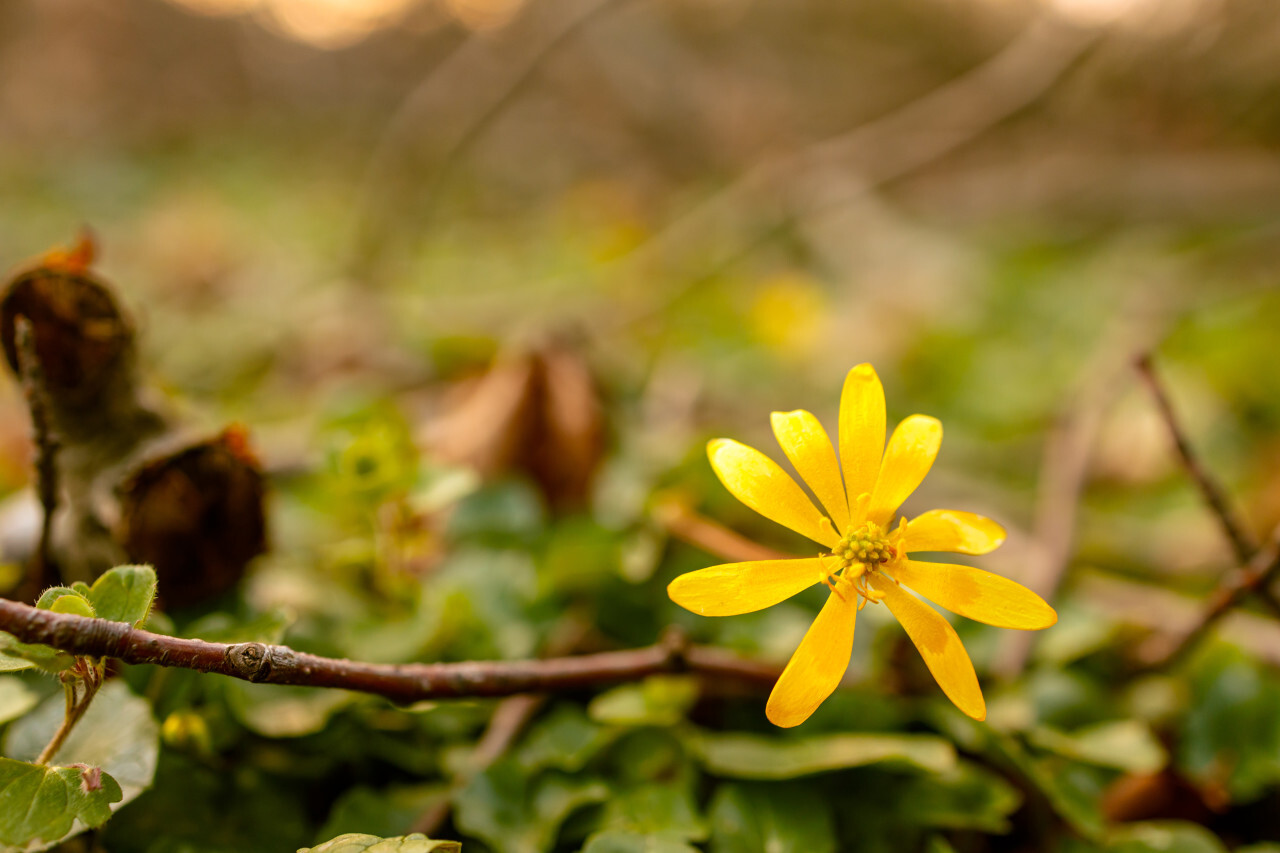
{"x": 758, "y": 482}
{"x": 807, "y": 446}
{"x": 743, "y": 587}
{"x": 939, "y": 645}
{"x": 861, "y": 432}
{"x": 977, "y": 595}
{"x": 908, "y": 458}
{"x": 818, "y": 665}
{"x": 952, "y": 530}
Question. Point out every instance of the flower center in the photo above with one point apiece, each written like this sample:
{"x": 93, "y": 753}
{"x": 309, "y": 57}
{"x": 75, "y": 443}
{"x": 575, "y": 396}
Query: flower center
{"x": 867, "y": 545}
{"x": 860, "y": 553}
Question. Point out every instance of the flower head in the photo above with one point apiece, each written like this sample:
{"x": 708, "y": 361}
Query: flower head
{"x": 868, "y": 556}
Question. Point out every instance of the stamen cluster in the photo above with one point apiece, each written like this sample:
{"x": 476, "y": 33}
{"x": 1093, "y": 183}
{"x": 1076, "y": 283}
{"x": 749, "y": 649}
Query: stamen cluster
{"x": 866, "y": 545}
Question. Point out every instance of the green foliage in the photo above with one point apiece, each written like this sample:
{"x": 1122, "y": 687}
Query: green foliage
{"x": 117, "y": 734}
{"x": 16, "y": 698}
{"x": 515, "y": 812}
{"x": 1122, "y": 745}
{"x": 124, "y": 594}
{"x": 761, "y": 817}
{"x": 1232, "y": 727}
{"x": 1163, "y": 837}
{"x": 355, "y": 842}
{"x": 741, "y": 756}
{"x": 42, "y": 804}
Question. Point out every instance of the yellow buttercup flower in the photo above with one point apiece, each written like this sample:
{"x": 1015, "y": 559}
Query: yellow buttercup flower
{"x": 868, "y": 557}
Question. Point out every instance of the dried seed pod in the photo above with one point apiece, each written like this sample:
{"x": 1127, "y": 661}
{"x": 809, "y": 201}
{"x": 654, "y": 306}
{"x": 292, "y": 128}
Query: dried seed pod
{"x": 196, "y": 515}
{"x": 131, "y": 487}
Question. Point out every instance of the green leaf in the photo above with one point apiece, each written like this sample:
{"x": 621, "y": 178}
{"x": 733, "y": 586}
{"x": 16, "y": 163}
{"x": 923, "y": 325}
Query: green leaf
{"x": 53, "y": 593}
{"x": 564, "y": 739}
{"x": 967, "y": 797}
{"x": 117, "y": 733}
{"x": 743, "y": 756}
{"x": 266, "y": 627}
{"x": 35, "y": 654}
{"x": 11, "y": 663}
{"x": 1231, "y": 731}
{"x": 1068, "y": 787}
{"x": 660, "y": 700}
{"x": 355, "y": 842}
{"x": 124, "y": 594}
{"x": 195, "y": 808}
{"x": 281, "y": 710}
{"x": 385, "y": 810}
{"x": 622, "y": 841}
{"x": 516, "y": 813}
{"x": 1163, "y": 837}
{"x": 938, "y": 844}
{"x": 74, "y": 604}
{"x": 1122, "y": 745}
{"x": 766, "y": 817}
{"x": 44, "y": 804}
{"x": 667, "y": 810}
{"x": 16, "y": 698}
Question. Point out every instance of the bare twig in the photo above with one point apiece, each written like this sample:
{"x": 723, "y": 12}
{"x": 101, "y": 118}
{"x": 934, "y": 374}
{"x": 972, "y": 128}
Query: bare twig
{"x": 682, "y": 522}
{"x": 508, "y": 721}
{"x": 1242, "y": 541}
{"x": 404, "y": 683}
{"x": 1253, "y": 577}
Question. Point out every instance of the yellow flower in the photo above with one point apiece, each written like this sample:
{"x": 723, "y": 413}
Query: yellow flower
{"x": 867, "y": 557}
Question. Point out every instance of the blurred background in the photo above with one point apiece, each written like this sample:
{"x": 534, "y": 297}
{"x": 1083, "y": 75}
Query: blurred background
{"x": 522, "y": 258}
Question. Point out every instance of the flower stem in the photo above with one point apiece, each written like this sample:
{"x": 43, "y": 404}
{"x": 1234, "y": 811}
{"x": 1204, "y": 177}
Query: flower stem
{"x": 90, "y": 675}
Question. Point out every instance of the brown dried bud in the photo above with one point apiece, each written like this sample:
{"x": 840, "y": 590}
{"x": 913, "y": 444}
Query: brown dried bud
{"x": 196, "y": 515}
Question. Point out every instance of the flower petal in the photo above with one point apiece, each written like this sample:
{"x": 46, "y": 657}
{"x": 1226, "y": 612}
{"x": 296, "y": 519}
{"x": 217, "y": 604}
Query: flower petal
{"x": 952, "y": 530}
{"x": 735, "y": 588}
{"x": 818, "y": 664}
{"x": 908, "y": 458}
{"x": 861, "y": 432}
{"x": 758, "y": 482}
{"x": 977, "y": 595}
{"x": 939, "y": 645}
{"x": 807, "y": 446}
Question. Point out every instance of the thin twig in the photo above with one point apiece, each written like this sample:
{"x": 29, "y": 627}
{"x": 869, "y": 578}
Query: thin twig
{"x": 682, "y": 522}
{"x": 403, "y": 683}
{"x": 495, "y": 72}
{"x": 45, "y": 440}
{"x": 509, "y": 719}
{"x": 1254, "y": 576}
{"x": 1242, "y": 542}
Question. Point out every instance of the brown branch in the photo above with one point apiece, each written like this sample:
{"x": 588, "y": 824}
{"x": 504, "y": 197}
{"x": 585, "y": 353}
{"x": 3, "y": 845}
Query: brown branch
{"x": 683, "y": 523}
{"x": 402, "y": 683}
{"x": 1251, "y": 578}
{"x": 45, "y": 440}
{"x": 1242, "y": 542}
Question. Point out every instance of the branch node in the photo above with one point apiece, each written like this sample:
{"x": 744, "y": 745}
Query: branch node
{"x": 250, "y": 661}
{"x": 674, "y": 642}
